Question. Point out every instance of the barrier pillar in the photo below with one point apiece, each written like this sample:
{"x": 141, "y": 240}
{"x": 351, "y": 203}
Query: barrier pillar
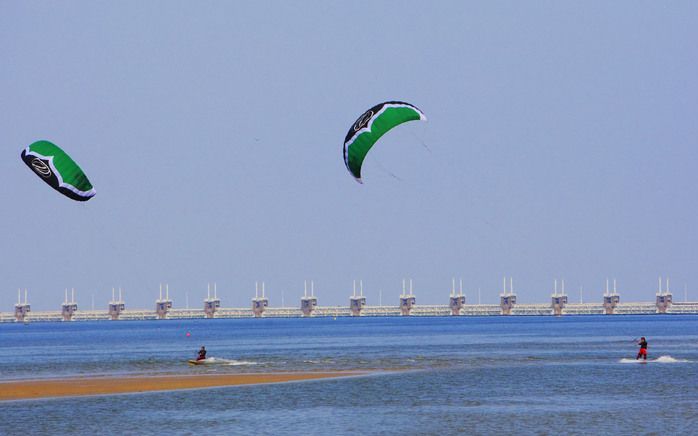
{"x": 116, "y": 306}
{"x": 68, "y": 308}
{"x": 22, "y": 309}
{"x": 259, "y": 304}
{"x": 357, "y": 302}
{"x": 456, "y": 301}
{"x": 211, "y": 305}
{"x": 559, "y": 301}
{"x": 308, "y": 302}
{"x": 163, "y": 306}
{"x": 610, "y": 299}
{"x": 407, "y": 301}
{"x": 507, "y": 301}
{"x": 664, "y": 298}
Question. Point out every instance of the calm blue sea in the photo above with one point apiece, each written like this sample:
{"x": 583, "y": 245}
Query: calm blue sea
{"x": 471, "y": 375}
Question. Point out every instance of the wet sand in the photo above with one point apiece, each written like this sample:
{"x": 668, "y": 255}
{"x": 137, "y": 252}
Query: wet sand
{"x": 69, "y": 387}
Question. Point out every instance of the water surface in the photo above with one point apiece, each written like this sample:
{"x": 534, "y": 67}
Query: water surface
{"x": 519, "y": 375}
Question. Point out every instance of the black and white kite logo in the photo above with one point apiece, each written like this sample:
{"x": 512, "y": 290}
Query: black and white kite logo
{"x": 363, "y": 120}
{"x": 41, "y": 168}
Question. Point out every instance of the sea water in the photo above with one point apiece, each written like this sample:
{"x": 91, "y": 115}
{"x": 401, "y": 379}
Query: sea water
{"x": 471, "y": 375}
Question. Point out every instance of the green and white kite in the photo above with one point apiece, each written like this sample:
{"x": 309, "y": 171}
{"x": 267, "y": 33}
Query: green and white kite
{"x": 57, "y": 169}
{"x": 370, "y": 126}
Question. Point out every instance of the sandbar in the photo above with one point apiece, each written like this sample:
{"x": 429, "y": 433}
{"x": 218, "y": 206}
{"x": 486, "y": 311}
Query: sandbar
{"x": 80, "y": 386}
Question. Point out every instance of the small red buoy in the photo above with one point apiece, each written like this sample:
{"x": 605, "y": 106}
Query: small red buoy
{"x": 188, "y": 334}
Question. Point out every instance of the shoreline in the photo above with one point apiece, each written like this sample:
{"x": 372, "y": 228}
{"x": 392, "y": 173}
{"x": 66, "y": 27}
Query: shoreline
{"x": 84, "y": 386}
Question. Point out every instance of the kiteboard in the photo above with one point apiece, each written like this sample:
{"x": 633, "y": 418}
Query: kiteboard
{"x": 197, "y": 362}
{"x": 640, "y": 361}
{"x": 660, "y": 359}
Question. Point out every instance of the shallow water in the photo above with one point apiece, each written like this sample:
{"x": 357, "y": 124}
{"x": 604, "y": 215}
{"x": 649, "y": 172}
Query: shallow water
{"x": 465, "y": 374}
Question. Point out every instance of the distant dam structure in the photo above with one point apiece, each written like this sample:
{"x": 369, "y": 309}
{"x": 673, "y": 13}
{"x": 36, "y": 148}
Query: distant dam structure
{"x": 663, "y": 298}
{"x": 259, "y": 304}
{"x": 357, "y": 302}
{"x": 507, "y": 300}
{"x": 116, "y": 306}
{"x": 407, "y": 301}
{"x": 456, "y": 301}
{"x": 211, "y": 305}
{"x": 454, "y": 305}
{"x": 610, "y": 299}
{"x": 559, "y": 301}
{"x": 68, "y": 308}
{"x": 22, "y": 309}
{"x": 308, "y": 302}
{"x": 163, "y": 306}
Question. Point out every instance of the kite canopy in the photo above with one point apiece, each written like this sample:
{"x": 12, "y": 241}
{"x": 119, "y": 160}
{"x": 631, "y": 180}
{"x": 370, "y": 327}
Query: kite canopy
{"x": 57, "y": 169}
{"x": 370, "y": 126}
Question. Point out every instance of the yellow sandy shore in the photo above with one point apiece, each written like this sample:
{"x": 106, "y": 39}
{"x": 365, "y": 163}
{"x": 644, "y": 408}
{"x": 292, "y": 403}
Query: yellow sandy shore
{"x": 28, "y": 389}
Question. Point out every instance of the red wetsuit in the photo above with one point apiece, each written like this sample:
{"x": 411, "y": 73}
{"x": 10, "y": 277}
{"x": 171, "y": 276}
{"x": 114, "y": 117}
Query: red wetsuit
{"x": 643, "y": 350}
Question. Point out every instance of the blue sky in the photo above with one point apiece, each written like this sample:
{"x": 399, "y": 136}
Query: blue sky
{"x": 561, "y": 143}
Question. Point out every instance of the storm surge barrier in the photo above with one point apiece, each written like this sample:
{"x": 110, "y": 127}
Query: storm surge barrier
{"x": 570, "y": 309}
{"x": 406, "y": 305}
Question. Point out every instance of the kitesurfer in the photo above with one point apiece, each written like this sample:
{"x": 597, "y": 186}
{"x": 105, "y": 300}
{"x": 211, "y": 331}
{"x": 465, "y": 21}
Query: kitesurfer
{"x": 202, "y": 354}
{"x": 643, "y": 348}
